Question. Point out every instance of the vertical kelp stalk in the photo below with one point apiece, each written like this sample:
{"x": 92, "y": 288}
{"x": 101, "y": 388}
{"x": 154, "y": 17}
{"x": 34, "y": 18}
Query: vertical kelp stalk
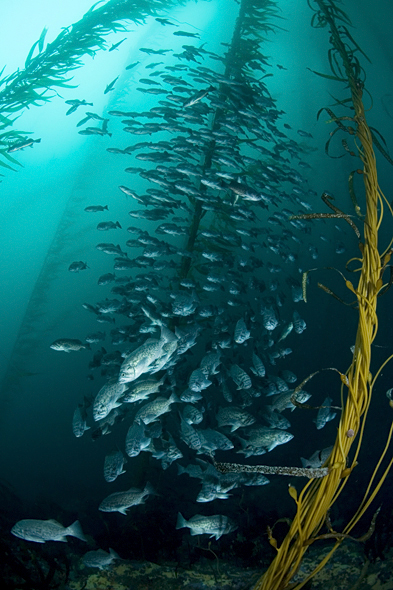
{"x": 318, "y": 496}
{"x": 232, "y": 71}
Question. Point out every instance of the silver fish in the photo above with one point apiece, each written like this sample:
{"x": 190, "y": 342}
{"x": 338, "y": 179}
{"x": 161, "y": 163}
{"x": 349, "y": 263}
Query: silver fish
{"x": 299, "y": 325}
{"x": 113, "y": 465}
{"x": 270, "y": 320}
{"x": 141, "y": 360}
{"x": 136, "y": 439}
{"x": 240, "y": 377}
{"x": 95, "y": 337}
{"x": 283, "y": 400}
{"x": 215, "y": 526}
{"x": 276, "y": 420}
{"x": 190, "y": 435}
{"x": 325, "y": 414}
{"x": 96, "y": 208}
{"x": 121, "y": 501}
{"x": 99, "y": 558}
{"x": 212, "y": 440}
{"x": 77, "y": 266}
{"x": 68, "y": 344}
{"x": 286, "y": 331}
{"x": 142, "y": 389}
{"x": 258, "y": 368}
{"x": 151, "y": 411}
{"x": 138, "y": 361}
{"x": 288, "y": 376}
{"x": 263, "y": 440}
{"x": 192, "y": 415}
{"x": 40, "y": 531}
{"x": 107, "y": 398}
{"x": 234, "y": 417}
{"x": 198, "y": 381}
{"x": 210, "y": 362}
{"x": 317, "y": 459}
{"x": 79, "y": 423}
{"x": 241, "y": 332}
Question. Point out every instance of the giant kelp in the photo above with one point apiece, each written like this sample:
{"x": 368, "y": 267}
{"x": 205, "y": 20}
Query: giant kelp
{"x": 48, "y": 67}
{"x": 222, "y": 207}
{"x": 318, "y": 496}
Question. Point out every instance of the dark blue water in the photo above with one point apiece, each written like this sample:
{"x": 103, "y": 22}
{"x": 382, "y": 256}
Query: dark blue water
{"x": 257, "y": 99}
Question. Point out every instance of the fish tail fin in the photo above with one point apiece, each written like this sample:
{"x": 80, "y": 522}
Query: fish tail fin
{"x": 113, "y": 554}
{"x": 150, "y": 490}
{"x": 75, "y": 530}
{"x": 181, "y": 521}
{"x": 173, "y": 398}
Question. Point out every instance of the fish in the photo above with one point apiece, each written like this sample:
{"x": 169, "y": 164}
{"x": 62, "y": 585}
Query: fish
{"x": 107, "y": 225}
{"x": 154, "y": 51}
{"x": 97, "y": 130}
{"x": 121, "y": 501}
{"x": 139, "y": 360}
{"x": 107, "y": 398}
{"x": 20, "y": 145}
{"x": 106, "y": 279}
{"x": 136, "y": 439}
{"x": 210, "y": 363}
{"x": 131, "y": 66}
{"x": 151, "y": 411}
{"x": 110, "y": 86}
{"x": 240, "y": 377}
{"x": 198, "y": 96}
{"x": 263, "y": 440}
{"x": 77, "y": 266}
{"x": 286, "y": 331}
{"x": 116, "y": 45}
{"x": 258, "y": 368}
{"x": 186, "y": 34}
{"x": 234, "y": 417}
{"x": 215, "y": 526}
{"x": 299, "y": 325}
{"x": 317, "y": 459}
{"x": 75, "y": 103}
{"x": 142, "y": 389}
{"x": 95, "y": 337}
{"x": 184, "y": 304}
{"x": 304, "y": 133}
{"x": 96, "y": 208}
{"x": 241, "y": 332}
{"x": 113, "y": 465}
{"x": 68, "y": 345}
{"x": 212, "y": 440}
{"x": 99, "y": 558}
{"x": 79, "y": 426}
{"x": 192, "y": 415}
{"x": 270, "y": 320}
{"x": 190, "y": 435}
{"x": 275, "y": 419}
{"x": 325, "y": 413}
{"x": 164, "y": 21}
{"x": 111, "y": 249}
{"x": 282, "y": 401}
{"x": 198, "y": 381}
{"x": 41, "y": 531}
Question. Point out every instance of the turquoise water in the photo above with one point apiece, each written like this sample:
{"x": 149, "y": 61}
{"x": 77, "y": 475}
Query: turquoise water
{"x": 248, "y": 110}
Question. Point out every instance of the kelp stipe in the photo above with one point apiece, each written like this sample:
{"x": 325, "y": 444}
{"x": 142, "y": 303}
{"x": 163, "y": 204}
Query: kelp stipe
{"x": 315, "y": 500}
